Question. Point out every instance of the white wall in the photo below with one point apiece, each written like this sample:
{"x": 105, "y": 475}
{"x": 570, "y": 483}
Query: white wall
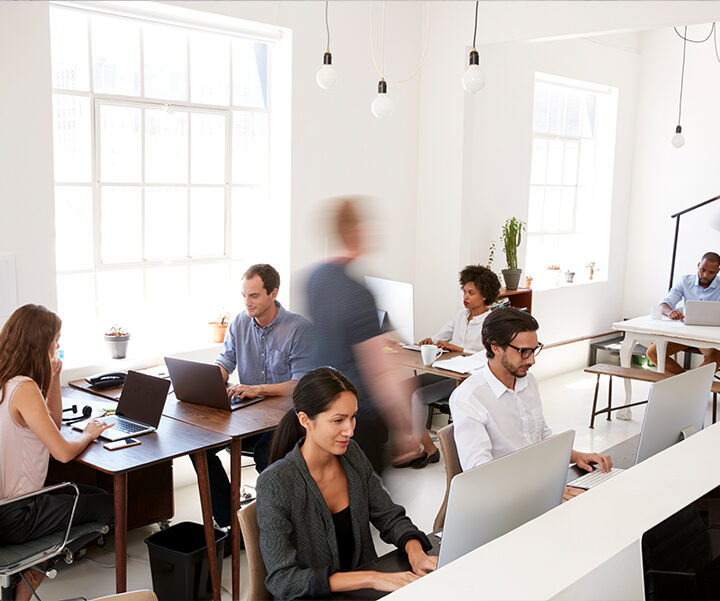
{"x": 666, "y": 179}
{"x": 27, "y": 220}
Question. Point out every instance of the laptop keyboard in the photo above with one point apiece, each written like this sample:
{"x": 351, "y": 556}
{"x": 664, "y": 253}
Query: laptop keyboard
{"x": 127, "y": 427}
{"x": 594, "y": 478}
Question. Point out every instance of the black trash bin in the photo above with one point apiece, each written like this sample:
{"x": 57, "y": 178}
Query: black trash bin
{"x": 179, "y": 562}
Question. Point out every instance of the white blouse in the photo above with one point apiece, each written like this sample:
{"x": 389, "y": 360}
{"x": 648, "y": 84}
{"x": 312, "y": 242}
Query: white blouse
{"x": 463, "y": 333}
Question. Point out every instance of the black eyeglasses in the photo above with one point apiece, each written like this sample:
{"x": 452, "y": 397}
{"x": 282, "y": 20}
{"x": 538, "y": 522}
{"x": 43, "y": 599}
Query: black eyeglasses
{"x": 526, "y": 352}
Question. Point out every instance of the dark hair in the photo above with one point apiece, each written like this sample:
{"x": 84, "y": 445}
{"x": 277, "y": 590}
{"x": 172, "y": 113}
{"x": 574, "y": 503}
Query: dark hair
{"x": 484, "y": 279}
{"x": 711, "y": 257}
{"x": 314, "y": 394}
{"x": 268, "y": 274}
{"x": 502, "y": 325}
{"x": 25, "y": 345}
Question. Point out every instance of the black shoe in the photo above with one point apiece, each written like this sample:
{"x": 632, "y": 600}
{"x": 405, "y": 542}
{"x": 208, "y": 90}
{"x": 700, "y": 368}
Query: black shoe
{"x": 411, "y": 462}
{"x": 418, "y": 464}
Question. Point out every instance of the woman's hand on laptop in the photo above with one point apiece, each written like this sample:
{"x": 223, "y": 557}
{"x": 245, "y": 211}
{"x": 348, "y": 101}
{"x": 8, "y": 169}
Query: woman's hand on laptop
{"x": 585, "y": 461}
{"x": 243, "y": 391}
{"x": 96, "y": 427}
{"x": 420, "y": 562}
{"x": 571, "y": 492}
{"x": 425, "y": 341}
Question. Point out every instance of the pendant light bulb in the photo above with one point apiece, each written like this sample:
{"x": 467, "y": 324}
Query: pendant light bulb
{"x": 473, "y": 79}
{"x": 326, "y": 75}
{"x": 678, "y": 140}
{"x": 383, "y": 105}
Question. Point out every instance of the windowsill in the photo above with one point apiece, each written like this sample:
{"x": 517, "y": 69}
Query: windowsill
{"x": 567, "y": 285}
{"x": 138, "y": 357}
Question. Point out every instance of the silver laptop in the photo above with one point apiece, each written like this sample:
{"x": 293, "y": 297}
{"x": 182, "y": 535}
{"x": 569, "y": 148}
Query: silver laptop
{"x": 702, "y": 313}
{"x": 202, "y": 383}
{"x": 497, "y": 497}
{"x": 139, "y": 409}
{"x": 676, "y": 409}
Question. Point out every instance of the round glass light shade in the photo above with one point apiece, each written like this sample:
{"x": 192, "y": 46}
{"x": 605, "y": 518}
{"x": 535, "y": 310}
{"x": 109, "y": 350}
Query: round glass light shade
{"x": 678, "y": 140}
{"x": 326, "y": 77}
{"x": 473, "y": 79}
{"x": 382, "y": 106}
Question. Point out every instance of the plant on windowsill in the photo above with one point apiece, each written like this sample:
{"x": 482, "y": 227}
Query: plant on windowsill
{"x": 219, "y": 327}
{"x": 117, "y": 340}
{"x": 511, "y": 237}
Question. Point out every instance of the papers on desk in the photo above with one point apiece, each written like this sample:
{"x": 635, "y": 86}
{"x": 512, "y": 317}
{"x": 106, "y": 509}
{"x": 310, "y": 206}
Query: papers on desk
{"x": 463, "y": 364}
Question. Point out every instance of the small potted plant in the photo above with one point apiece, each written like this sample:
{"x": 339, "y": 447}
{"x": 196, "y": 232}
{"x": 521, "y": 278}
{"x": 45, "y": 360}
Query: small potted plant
{"x": 219, "y": 327}
{"x": 591, "y": 268}
{"x": 117, "y": 340}
{"x": 569, "y": 276}
{"x": 511, "y": 236}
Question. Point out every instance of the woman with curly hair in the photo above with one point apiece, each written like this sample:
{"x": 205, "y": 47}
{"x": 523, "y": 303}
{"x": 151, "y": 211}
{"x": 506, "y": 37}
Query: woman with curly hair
{"x": 463, "y": 333}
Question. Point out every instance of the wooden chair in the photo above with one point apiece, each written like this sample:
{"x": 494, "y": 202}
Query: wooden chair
{"x": 256, "y": 566}
{"x": 446, "y": 438}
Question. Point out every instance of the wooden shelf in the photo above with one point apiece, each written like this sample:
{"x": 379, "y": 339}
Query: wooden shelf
{"x": 520, "y": 298}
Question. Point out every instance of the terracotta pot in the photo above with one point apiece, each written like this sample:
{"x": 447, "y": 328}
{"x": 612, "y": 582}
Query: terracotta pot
{"x": 217, "y": 331}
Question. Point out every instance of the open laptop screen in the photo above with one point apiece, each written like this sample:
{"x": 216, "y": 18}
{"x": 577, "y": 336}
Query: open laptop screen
{"x": 143, "y": 398}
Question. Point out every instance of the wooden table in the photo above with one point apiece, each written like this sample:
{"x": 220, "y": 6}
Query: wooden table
{"x": 647, "y": 330}
{"x": 172, "y": 439}
{"x": 413, "y": 360}
{"x": 238, "y": 424}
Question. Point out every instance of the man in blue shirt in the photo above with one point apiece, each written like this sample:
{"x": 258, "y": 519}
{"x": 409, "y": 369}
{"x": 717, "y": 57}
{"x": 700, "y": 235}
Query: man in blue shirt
{"x": 271, "y": 349}
{"x": 704, "y": 286}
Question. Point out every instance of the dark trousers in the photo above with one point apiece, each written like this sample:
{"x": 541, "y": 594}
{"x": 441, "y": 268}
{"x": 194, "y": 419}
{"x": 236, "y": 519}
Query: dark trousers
{"x": 219, "y": 481}
{"x": 371, "y": 433}
{"x": 39, "y": 516}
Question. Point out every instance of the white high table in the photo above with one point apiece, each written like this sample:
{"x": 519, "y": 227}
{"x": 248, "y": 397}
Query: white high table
{"x": 587, "y": 548}
{"x": 647, "y": 330}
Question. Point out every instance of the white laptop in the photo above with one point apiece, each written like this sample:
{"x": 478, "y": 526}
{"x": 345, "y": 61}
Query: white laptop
{"x": 702, "y": 313}
{"x": 497, "y": 497}
{"x": 139, "y": 409}
{"x": 676, "y": 409}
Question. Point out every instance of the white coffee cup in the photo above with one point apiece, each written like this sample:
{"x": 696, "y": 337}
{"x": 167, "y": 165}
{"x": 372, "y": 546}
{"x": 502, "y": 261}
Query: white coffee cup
{"x": 655, "y": 312}
{"x": 429, "y": 353}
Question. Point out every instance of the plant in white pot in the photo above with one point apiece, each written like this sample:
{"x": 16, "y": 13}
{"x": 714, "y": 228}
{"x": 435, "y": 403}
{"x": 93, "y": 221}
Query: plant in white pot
{"x": 511, "y": 237}
{"x": 117, "y": 340}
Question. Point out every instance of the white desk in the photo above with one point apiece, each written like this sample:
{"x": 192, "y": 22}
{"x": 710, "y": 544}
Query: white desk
{"x": 647, "y": 330}
{"x": 547, "y": 557}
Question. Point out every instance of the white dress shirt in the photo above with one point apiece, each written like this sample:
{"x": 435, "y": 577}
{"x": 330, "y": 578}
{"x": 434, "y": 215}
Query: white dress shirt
{"x": 463, "y": 333}
{"x": 491, "y": 420}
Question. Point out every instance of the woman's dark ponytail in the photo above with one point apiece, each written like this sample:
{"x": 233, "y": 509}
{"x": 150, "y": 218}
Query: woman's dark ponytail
{"x": 288, "y": 432}
{"x": 314, "y": 394}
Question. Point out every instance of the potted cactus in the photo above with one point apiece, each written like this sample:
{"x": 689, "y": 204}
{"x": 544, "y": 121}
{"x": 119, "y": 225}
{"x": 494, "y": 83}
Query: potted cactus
{"x": 219, "y": 327}
{"x": 511, "y": 237}
{"x": 117, "y": 340}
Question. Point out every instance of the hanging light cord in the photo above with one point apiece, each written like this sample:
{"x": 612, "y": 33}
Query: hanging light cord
{"x": 477, "y": 2}
{"x": 327, "y": 26}
{"x": 682, "y": 76}
{"x": 381, "y": 69}
{"x": 687, "y": 39}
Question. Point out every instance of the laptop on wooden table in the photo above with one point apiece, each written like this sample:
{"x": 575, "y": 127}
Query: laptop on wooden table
{"x": 202, "y": 383}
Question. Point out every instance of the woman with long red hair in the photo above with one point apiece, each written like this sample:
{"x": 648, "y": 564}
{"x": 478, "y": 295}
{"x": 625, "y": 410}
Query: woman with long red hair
{"x": 30, "y": 421}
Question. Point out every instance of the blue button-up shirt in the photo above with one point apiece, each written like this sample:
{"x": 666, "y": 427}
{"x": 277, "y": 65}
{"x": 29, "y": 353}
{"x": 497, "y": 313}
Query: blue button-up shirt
{"x": 277, "y": 353}
{"x": 688, "y": 288}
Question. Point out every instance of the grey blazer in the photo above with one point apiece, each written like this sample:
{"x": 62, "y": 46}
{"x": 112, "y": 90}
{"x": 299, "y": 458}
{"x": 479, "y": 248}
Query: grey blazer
{"x": 297, "y": 535}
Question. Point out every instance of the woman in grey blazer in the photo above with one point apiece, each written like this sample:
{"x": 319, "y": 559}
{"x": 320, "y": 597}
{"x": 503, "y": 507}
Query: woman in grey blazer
{"x": 316, "y": 501}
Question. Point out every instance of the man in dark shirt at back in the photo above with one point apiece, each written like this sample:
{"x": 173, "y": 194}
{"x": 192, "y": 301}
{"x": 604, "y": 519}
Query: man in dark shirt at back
{"x": 347, "y": 336}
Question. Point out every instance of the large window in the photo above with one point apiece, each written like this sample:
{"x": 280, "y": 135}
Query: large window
{"x": 163, "y": 164}
{"x": 570, "y": 181}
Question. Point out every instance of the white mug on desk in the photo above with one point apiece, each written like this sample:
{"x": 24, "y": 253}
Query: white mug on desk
{"x": 429, "y": 353}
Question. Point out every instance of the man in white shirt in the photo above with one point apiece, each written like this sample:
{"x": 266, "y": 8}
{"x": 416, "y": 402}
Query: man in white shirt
{"x": 498, "y": 410}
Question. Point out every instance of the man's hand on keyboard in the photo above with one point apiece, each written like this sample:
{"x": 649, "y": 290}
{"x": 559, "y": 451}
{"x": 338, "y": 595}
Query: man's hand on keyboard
{"x": 570, "y": 492}
{"x": 585, "y": 460}
{"x": 243, "y": 391}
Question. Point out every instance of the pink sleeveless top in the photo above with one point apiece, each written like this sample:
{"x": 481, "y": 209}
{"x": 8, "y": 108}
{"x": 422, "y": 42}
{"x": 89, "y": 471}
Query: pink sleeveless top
{"x": 23, "y": 456}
